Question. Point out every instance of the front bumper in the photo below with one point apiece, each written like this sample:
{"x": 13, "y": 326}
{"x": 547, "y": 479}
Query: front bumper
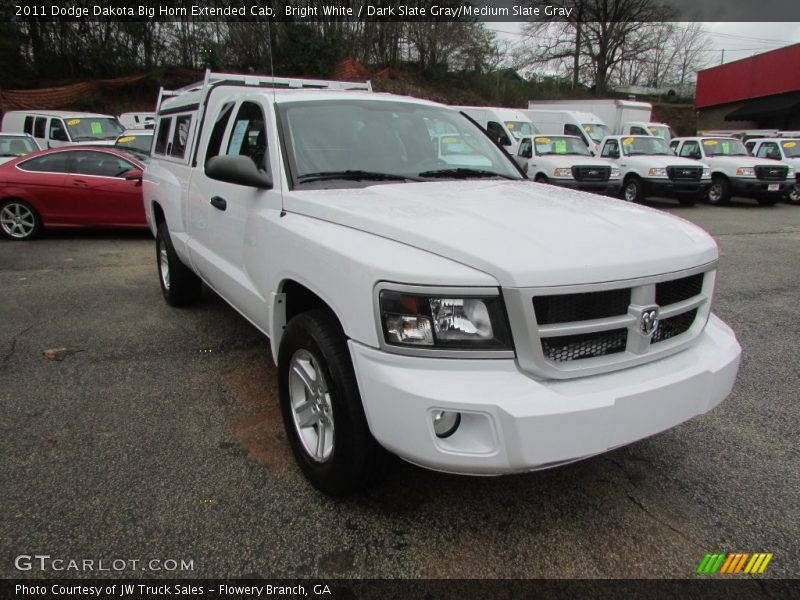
{"x": 757, "y": 188}
{"x": 610, "y": 188}
{"x": 670, "y": 188}
{"x": 513, "y": 423}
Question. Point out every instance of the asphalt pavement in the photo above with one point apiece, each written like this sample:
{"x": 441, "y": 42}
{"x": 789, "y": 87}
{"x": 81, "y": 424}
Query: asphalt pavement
{"x": 158, "y": 436}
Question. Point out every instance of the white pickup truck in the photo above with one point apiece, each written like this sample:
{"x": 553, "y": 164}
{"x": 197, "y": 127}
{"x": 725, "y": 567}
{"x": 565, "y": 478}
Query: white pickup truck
{"x": 785, "y": 150}
{"x": 648, "y": 168}
{"x": 734, "y": 172}
{"x": 461, "y": 317}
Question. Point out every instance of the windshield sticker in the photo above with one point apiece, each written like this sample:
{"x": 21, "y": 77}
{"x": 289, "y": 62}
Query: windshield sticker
{"x": 73, "y": 122}
{"x": 561, "y": 146}
{"x": 587, "y": 128}
{"x": 450, "y": 140}
{"x": 726, "y": 148}
{"x": 97, "y": 127}
{"x": 127, "y": 138}
{"x": 709, "y": 142}
{"x": 627, "y": 141}
{"x": 653, "y": 129}
{"x": 510, "y": 125}
{"x": 789, "y": 144}
{"x": 542, "y": 140}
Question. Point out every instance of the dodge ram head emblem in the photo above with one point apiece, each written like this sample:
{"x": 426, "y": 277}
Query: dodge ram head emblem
{"x": 649, "y": 320}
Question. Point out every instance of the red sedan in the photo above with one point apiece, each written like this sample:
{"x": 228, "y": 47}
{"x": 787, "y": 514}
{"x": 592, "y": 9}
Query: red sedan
{"x": 76, "y": 186}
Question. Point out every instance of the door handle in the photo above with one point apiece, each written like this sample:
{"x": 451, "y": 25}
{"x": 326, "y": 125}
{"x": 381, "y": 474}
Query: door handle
{"x": 219, "y": 203}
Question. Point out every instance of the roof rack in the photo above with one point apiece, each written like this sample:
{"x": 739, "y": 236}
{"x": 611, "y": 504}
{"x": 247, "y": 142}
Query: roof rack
{"x": 211, "y": 80}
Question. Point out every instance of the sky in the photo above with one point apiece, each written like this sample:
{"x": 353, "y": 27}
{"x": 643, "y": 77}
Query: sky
{"x": 738, "y": 40}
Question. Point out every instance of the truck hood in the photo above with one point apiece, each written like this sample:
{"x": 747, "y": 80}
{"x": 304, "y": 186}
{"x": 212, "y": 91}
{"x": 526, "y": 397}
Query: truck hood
{"x": 521, "y": 233}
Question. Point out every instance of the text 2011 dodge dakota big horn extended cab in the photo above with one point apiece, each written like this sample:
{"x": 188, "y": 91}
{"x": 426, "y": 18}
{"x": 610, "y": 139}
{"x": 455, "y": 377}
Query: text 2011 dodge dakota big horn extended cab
{"x": 459, "y": 316}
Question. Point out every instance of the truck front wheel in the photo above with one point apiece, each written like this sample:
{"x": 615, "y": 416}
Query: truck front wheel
{"x": 321, "y": 406}
{"x": 719, "y": 192}
{"x": 633, "y": 190}
{"x": 179, "y": 285}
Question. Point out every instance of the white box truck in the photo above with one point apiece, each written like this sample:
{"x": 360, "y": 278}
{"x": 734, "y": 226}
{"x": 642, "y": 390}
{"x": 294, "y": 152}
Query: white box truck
{"x": 585, "y": 125}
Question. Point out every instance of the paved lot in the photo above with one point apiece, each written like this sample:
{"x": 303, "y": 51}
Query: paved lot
{"x": 161, "y": 438}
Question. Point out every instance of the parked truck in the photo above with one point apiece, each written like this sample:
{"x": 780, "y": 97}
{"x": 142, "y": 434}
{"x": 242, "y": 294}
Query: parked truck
{"x": 507, "y": 126}
{"x": 461, "y": 317}
{"x": 623, "y": 117}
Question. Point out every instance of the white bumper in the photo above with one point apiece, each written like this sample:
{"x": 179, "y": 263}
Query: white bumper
{"x": 511, "y": 422}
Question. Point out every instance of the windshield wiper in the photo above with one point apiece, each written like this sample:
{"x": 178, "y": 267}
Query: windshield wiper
{"x": 462, "y": 173}
{"x": 354, "y": 175}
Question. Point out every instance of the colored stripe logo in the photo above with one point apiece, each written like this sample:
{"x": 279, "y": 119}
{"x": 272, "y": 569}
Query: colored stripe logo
{"x": 734, "y": 562}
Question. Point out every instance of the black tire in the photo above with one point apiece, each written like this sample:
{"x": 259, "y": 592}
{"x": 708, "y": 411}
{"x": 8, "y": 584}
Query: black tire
{"x": 633, "y": 190}
{"x": 19, "y": 221}
{"x": 768, "y": 200}
{"x": 355, "y": 459}
{"x": 719, "y": 192}
{"x": 541, "y": 178}
{"x": 793, "y": 197}
{"x": 180, "y": 286}
{"x": 687, "y": 201}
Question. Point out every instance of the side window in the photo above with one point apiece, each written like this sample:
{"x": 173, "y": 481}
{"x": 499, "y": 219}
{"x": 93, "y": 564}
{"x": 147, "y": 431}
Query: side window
{"x": 673, "y": 146}
{"x": 180, "y": 135}
{"x": 749, "y": 147}
{"x": 215, "y": 139}
{"x": 769, "y": 150}
{"x": 249, "y": 134}
{"x": 611, "y": 149}
{"x": 690, "y": 150}
{"x": 570, "y": 129}
{"x": 57, "y": 131}
{"x": 498, "y": 133}
{"x": 639, "y": 131}
{"x": 49, "y": 163}
{"x": 162, "y": 137}
{"x": 99, "y": 164}
{"x": 39, "y": 127}
{"x": 526, "y": 148}
{"x": 28, "y": 127}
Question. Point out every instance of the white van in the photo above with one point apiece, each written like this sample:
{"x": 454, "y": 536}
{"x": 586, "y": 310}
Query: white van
{"x": 137, "y": 120}
{"x": 585, "y": 125}
{"x": 55, "y": 128}
{"x": 507, "y": 126}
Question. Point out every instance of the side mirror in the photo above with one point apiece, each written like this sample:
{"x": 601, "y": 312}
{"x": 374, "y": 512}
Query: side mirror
{"x": 240, "y": 170}
{"x": 133, "y": 175}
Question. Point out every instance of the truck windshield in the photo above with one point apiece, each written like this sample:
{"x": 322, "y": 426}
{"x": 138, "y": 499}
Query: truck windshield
{"x": 93, "y": 128}
{"x": 350, "y": 141}
{"x": 136, "y": 141}
{"x": 661, "y": 131}
{"x": 560, "y": 144}
{"x": 723, "y": 147}
{"x": 637, "y": 145}
{"x": 596, "y": 131}
{"x": 16, "y": 145}
{"x": 520, "y": 129}
{"x": 791, "y": 148}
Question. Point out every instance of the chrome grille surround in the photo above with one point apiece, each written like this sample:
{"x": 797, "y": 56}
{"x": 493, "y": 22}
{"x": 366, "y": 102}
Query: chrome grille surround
{"x": 639, "y": 346}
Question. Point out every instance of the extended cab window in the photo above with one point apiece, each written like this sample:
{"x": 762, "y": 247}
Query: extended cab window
{"x": 162, "y": 137}
{"x": 180, "y": 136}
{"x": 49, "y": 163}
{"x": 249, "y": 134}
{"x": 39, "y": 126}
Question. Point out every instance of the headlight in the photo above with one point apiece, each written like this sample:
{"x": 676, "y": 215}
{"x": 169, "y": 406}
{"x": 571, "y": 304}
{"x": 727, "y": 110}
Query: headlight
{"x": 657, "y": 172}
{"x": 562, "y": 173}
{"x": 444, "y": 321}
{"x": 706, "y": 173}
{"x": 615, "y": 174}
{"x": 746, "y": 171}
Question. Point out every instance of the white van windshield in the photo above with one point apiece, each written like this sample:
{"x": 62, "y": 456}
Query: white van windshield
{"x": 93, "y": 128}
{"x": 354, "y": 141}
{"x": 596, "y": 131}
{"x": 520, "y": 129}
{"x": 661, "y": 131}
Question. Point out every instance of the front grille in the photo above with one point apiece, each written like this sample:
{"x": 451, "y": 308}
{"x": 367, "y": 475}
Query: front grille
{"x": 772, "y": 173}
{"x": 565, "y": 308}
{"x": 685, "y": 173}
{"x": 601, "y": 173}
{"x": 586, "y": 345}
{"x": 678, "y": 290}
{"x": 669, "y": 328}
